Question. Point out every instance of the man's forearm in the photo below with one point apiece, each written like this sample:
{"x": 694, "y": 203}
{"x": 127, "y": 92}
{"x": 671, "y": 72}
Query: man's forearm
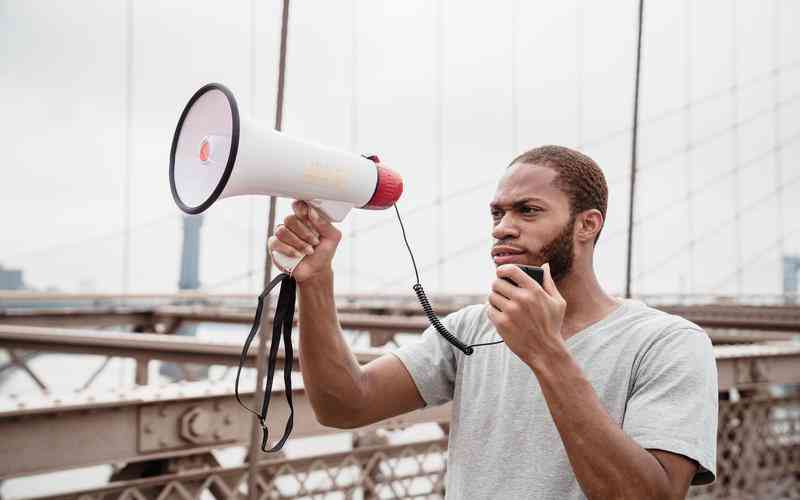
{"x": 331, "y": 373}
{"x": 607, "y": 463}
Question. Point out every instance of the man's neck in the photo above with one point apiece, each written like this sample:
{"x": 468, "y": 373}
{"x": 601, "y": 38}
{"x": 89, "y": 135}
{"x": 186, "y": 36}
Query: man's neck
{"x": 587, "y": 302}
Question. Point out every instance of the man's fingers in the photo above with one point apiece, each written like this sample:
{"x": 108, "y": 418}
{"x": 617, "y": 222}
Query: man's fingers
{"x": 287, "y": 236}
{"x": 276, "y": 245}
{"x": 302, "y": 230}
{"x": 503, "y": 287}
{"x": 315, "y": 220}
{"x": 497, "y": 301}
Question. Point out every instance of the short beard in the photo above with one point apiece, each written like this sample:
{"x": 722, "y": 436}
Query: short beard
{"x": 559, "y": 252}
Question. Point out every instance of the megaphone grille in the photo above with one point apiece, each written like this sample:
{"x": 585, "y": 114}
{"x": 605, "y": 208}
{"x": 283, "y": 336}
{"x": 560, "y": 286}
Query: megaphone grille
{"x": 204, "y": 148}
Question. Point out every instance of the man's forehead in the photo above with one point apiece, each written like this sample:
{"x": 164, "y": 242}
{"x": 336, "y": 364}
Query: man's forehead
{"x": 525, "y": 182}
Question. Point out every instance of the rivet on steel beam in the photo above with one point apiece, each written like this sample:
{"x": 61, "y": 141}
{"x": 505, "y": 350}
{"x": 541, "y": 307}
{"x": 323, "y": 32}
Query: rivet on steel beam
{"x": 148, "y": 429}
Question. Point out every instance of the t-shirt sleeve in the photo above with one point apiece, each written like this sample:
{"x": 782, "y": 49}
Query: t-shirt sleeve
{"x": 673, "y": 405}
{"x": 431, "y": 361}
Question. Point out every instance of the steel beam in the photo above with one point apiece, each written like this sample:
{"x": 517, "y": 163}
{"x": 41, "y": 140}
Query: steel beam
{"x": 143, "y": 346}
{"x": 758, "y": 365}
{"x": 393, "y": 315}
{"x": 77, "y": 317}
{"x": 146, "y": 423}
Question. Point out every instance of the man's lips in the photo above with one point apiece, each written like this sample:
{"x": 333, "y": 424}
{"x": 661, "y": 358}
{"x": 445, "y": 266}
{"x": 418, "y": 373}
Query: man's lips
{"x": 505, "y": 254}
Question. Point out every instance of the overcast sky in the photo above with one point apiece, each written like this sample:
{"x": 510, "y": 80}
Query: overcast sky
{"x": 446, "y": 93}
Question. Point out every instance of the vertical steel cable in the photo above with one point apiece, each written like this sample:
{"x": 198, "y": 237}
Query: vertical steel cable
{"x": 254, "y": 450}
{"x": 634, "y": 143}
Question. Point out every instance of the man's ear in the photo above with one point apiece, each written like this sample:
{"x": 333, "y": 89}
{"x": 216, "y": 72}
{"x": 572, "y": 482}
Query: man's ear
{"x": 588, "y": 223}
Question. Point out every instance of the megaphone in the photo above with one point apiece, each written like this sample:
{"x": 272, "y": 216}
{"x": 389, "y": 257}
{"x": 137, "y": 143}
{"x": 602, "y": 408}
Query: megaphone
{"x": 217, "y": 153}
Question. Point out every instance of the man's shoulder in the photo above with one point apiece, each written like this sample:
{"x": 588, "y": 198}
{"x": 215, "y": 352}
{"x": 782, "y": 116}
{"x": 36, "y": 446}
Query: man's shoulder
{"x": 664, "y": 334}
{"x": 656, "y": 321}
{"x": 652, "y": 327}
{"x": 469, "y": 321}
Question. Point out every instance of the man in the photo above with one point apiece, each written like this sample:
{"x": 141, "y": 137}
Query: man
{"x": 589, "y": 397}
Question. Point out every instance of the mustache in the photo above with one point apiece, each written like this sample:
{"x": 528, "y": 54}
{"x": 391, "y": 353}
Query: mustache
{"x": 505, "y": 241}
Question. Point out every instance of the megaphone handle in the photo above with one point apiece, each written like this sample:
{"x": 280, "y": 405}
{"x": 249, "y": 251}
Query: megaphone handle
{"x": 285, "y": 262}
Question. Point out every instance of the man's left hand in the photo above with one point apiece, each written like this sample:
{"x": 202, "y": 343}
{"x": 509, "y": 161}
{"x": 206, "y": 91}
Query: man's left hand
{"x": 528, "y": 316}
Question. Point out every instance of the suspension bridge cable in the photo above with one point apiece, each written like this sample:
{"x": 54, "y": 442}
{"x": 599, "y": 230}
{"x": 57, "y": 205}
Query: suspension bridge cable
{"x": 59, "y": 247}
{"x": 753, "y": 161}
{"x": 663, "y": 209}
{"x": 778, "y": 242}
{"x": 644, "y": 167}
{"x": 634, "y": 144}
{"x": 706, "y": 99}
{"x": 720, "y": 226}
{"x": 662, "y": 160}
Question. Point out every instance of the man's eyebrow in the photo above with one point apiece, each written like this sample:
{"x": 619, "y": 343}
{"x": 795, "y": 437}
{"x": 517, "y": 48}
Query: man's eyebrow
{"x": 518, "y": 203}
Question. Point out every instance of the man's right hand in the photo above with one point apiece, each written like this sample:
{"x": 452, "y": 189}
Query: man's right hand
{"x": 307, "y": 232}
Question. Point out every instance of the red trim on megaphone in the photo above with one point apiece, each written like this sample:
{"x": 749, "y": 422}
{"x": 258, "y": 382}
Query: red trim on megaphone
{"x": 387, "y": 190}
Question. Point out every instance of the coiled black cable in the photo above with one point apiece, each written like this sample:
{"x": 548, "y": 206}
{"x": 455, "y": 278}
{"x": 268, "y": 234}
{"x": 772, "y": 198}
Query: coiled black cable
{"x": 426, "y": 305}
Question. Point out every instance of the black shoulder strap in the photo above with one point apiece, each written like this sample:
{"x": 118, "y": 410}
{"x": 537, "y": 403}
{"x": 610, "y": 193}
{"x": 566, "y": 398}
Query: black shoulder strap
{"x": 282, "y": 322}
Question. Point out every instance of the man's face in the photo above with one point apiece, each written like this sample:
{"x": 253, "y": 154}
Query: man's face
{"x": 532, "y": 223}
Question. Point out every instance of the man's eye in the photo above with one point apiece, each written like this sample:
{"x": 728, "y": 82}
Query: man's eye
{"x": 496, "y": 214}
{"x": 529, "y": 210}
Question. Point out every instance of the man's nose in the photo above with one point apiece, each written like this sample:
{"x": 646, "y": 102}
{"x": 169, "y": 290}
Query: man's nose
{"x": 505, "y": 228}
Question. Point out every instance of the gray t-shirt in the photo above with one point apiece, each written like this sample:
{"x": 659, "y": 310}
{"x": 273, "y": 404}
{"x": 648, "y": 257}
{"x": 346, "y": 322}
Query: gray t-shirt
{"x": 655, "y": 373}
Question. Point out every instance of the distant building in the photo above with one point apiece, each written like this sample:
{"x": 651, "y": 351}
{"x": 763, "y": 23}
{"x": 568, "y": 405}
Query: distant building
{"x": 190, "y": 253}
{"x": 791, "y": 273}
{"x": 11, "y": 279}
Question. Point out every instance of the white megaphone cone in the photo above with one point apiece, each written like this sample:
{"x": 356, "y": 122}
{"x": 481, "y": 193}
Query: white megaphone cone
{"x": 216, "y": 154}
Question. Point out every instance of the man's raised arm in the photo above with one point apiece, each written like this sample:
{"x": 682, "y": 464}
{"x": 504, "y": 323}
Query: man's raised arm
{"x": 342, "y": 393}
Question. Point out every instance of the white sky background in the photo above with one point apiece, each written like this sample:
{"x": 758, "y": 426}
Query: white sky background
{"x": 63, "y": 132}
